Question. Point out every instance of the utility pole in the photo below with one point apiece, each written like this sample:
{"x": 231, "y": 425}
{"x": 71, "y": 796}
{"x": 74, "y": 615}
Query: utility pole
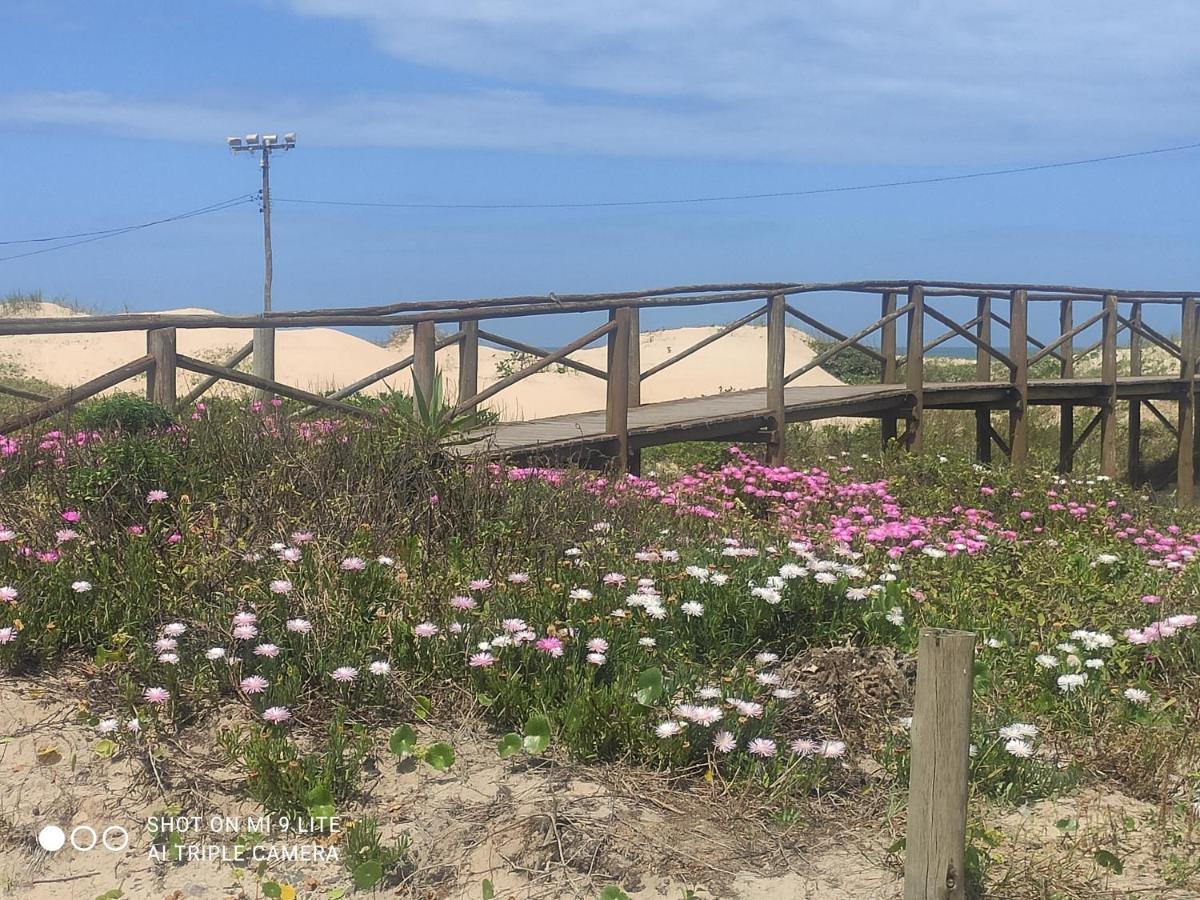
{"x": 264, "y": 338}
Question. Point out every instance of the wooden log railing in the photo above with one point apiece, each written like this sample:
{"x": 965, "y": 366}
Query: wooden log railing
{"x": 1122, "y": 312}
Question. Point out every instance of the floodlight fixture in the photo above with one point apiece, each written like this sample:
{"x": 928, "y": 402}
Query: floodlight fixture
{"x": 270, "y": 140}
{"x": 234, "y": 142}
{"x": 252, "y": 140}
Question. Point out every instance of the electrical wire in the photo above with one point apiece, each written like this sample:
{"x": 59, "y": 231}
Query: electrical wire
{"x": 990, "y": 173}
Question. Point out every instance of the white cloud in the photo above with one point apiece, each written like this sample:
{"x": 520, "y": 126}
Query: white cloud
{"x": 822, "y": 80}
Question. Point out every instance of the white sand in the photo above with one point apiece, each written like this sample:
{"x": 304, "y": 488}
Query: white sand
{"x": 322, "y": 359}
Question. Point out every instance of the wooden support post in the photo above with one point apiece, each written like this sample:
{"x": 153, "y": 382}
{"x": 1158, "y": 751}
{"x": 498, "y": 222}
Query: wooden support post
{"x": 914, "y": 369}
{"x": 468, "y": 360}
{"x": 263, "y": 358}
{"x": 941, "y": 740}
{"x": 424, "y": 358}
{"x": 1108, "y": 378}
{"x": 889, "y": 373}
{"x": 1018, "y": 352}
{"x": 160, "y": 380}
{"x": 776, "y": 367}
{"x": 1186, "y": 480}
{"x": 635, "y": 356}
{"x": 1135, "y": 406}
{"x": 1066, "y": 412}
{"x": 617, "y": 408}
{"x": 983, "y": 372}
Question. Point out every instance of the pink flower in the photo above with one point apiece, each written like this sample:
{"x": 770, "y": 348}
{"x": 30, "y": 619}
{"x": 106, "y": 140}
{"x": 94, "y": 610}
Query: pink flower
{"x": 598, "y": 645}
{"x": 833, "y": 749}
{"x": 481, "y": 660}
{"x": 462, "y": 603}
{"x": 7, "y": 635}
{"x": 551, "y": 645}
{"x": 280, "y": 586}
{"x": 762, "y": 747}
{"x": 518, "y": 578}
{"x": 156, "y": 496}
{"x": 804, "y": 747}
{"x": 344, "y": 674}
{"x": 268, "y": 650}
{"x": 72, "y": 515}
{"x": 156, "y": 695}
{"x": 254, "y": 684}
{"x": 724, "y": 742}
{"x": 481, "y": 584}
{"x": 276, "y": 715}
{"x": 425, "y": 630}
{"x": 299, "y": 626}
{"x": 353, "y": 564}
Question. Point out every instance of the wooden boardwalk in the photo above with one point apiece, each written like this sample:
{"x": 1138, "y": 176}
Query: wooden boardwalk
{"x": 744, "y": 415}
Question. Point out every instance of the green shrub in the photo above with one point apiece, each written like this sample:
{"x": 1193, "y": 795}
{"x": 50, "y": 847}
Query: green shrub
{"x": 128, "y": 412}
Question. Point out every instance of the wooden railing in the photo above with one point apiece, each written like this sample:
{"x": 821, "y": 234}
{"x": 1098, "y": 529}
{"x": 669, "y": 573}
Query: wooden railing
{"x": 910, "y": 302}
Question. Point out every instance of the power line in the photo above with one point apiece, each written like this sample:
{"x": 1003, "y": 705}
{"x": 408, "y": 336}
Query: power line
{"x": 87, "y": 237}
{"x": 991, "y": 173}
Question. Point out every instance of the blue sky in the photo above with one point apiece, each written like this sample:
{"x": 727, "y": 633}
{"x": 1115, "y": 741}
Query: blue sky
{"x": 116, "y": 112}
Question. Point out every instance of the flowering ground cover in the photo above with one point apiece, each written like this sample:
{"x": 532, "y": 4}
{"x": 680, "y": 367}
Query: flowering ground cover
{"x": 315, "y": 611}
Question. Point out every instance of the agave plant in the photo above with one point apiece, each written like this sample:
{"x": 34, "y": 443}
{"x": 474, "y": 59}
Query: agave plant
{"x": 441, "y": 423}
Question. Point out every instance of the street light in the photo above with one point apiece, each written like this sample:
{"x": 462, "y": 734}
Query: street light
{"x": 253, "y": 143}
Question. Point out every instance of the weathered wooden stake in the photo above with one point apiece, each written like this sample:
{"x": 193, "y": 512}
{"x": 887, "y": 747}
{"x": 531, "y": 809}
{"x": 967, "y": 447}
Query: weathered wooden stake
{"x": 776, "y": 366}
{"x": 934, "y": 867}
{"x": 468, "y": 360}
{"x": 1018, "y": 352}
{"x": 890, "y": 373}
{"x": 263, "y": 358}
{"x": 1135, "y": 406}
{"x": 1108, "y": 378}
{"x": 617, "y": 407}
{"x": 424, "y": 358}
{"x": 983, "y": 372}
{"x": 160, "y": 380}
{"x": 1186, "y": 480}
{"x": 1066, "y": 412}
{"x": 914, "y": 369}
{"x": 635, "y": 356}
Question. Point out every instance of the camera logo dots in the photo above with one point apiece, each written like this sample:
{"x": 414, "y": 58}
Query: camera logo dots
{"x": 52, "y": 838}
{"x": 84, "y": 838}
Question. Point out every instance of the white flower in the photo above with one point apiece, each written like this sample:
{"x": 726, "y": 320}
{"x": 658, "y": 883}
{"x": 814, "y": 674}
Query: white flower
{"x": 214, "y": 652}
{"x": 1046, "y": 661}
{"x": 718, "y": 578}
{"x": 895, "y": 615}
{"x": 766, "y": 659}
{"x": 933, "y": 552}
{"x": 81, "y": 587}
{"x": 668, "y": 729}
{"x": 995, "y": 643}
{"x": 646, "y": 642}
{"x": 581, "y": 594}
{"x": 1022, "y": 730}
{"x": 1094, "y": 663}
{"x": 1106, "y": 559}
{"x": 1068, "y": 683}
{"x": 107, "y": 726}
{"x": 1137, "y": 696}
{"x": 1019, "y": 748}
{"x": 380, "y": 667}
{"x": 692, "y": 608}
{"x": 698, "y": 572}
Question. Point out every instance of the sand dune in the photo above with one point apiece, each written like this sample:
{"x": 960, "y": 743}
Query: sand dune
{"x": 322, "y": 359}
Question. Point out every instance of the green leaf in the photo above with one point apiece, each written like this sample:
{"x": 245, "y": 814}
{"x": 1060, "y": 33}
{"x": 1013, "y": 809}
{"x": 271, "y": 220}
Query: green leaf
{"x": 484, "y": 700}
{"x": 403, "y": 741}
{"x": 509, "y": 744}
{"x": 114, "y": 894}
{"x": 319, "y": 803}
{"x": 537, "y": 735}
{"x": 272, "y": 889}
{"x": 440, "y": 756}
{"x": 612, "y": 892}
{"x": 367, "y": 875}
{"x": 422, "y": 707}
{"x": 105, "y": 655}
{"x": 489, "y": 892}
{"x": 1109, "y": 861}
{"x": 650, "y": 686}
{"x": 337, "y": 893}
{"x": 1067, "y": 824}
{"x": 105, "y": 748}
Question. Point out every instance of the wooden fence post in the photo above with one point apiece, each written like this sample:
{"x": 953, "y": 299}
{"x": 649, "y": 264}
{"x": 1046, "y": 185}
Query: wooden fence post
{"x": 468, "y": 361}
{"x": 263, "y": 359}
{"x": 1108, "y": 377}
{"x": 160, "y": 378}
{"x": 776, "y": 370}
{"x": 617, "y": 407}
{"x": 1186, "y": 479}
{"x": 914, "y": 369}
{"x": 983, "y": 372}
{"x": 1018, "y": 352}
{"x": 424, "y": 361}
{"x": 635, "y": 356}
{"x": 890, "y": 373}
{"x": 1066, "y": 412}
{"x": 1135, "y": 406}
{"x": 937, "y": 785}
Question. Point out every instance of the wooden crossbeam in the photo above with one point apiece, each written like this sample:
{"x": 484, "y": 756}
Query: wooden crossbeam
{"x": 534, "y": 367}
{"x": 520, "y": 347}
{"x": 1087, "y": 432}
{"x": 22, "y": 394}
{"x": 962, "y": 332}
{"x": 1030, "y": 338}
{"x": 1167, "y": 423}
{"x": 1063, "y": 338}
{"x": 1098, "y": 344}
{"x": 1151, "y": 335}
{"x": 195, "y": 393}
{"x": 833, "y": 333}
{"x": 843, "y": 344}
{"x": 265, "y": 384}
{"x": 74, "y": 395}
{"x": 400, "y": 366}
{"x": 946, "y": 335}
{"x": 700, "y": 345}
{"x": 1000, "y": 442}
